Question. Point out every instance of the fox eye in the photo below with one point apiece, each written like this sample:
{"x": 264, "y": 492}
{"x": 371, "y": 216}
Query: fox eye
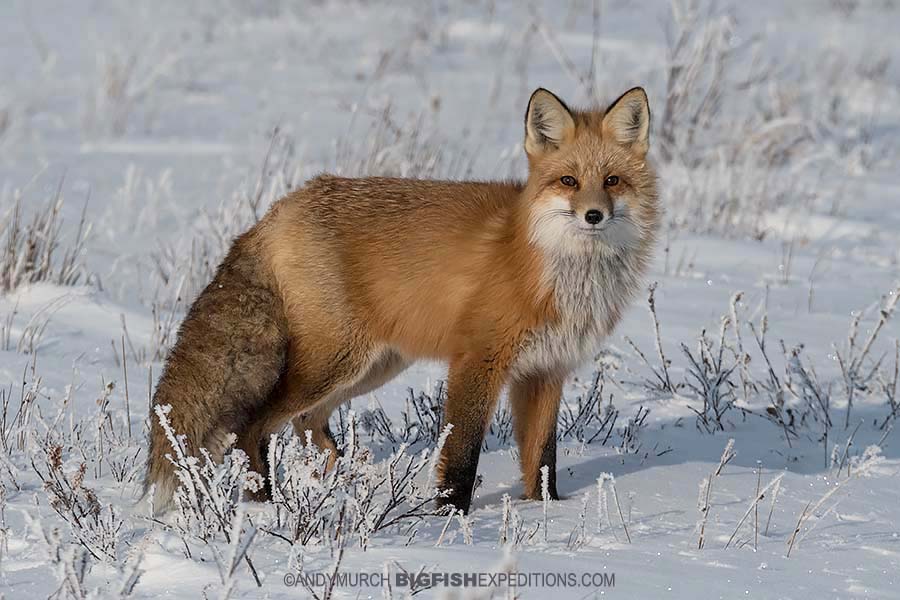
{"x": 611, "y": 181}
{"x": 568, "y": 180}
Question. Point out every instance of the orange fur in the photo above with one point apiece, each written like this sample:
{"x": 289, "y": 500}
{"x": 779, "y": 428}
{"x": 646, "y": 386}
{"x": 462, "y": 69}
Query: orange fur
{"x": 503, "y": 281}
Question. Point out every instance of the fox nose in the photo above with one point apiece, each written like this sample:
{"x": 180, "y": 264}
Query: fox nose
{"x": 593, "y": 216}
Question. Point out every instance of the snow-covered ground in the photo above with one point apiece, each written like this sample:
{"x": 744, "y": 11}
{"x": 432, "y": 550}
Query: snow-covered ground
{"x": 170, "y": 124}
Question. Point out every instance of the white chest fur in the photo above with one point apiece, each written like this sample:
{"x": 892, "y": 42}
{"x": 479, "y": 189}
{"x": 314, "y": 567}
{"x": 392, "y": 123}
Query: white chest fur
{"x": 591, "y": 291}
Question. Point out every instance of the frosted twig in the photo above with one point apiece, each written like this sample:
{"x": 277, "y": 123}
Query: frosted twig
{"x": 753, "y": 505}
{"x": 545, "y": 495}
{"x": 772, "y": 505}
{"x": 612, "y": 483}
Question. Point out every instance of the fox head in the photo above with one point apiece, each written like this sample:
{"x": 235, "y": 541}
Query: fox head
{"x": 590, "y": 187}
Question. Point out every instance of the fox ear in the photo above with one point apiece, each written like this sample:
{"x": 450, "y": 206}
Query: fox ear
{"x": 627, "y": 120}
{"x": 548, "y": 123}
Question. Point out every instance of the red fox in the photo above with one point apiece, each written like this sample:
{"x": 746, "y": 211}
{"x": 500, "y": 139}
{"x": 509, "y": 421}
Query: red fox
{"x": 345, "y": 282}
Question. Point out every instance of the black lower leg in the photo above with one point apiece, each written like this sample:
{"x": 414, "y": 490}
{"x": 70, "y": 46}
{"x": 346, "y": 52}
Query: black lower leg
{"x": 459, "y": 476}
{"x": 267, "y": 468}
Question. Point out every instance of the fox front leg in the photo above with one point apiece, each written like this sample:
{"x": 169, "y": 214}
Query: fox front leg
{"x": 535, "y": 405}
{"x": 474, "y": 385}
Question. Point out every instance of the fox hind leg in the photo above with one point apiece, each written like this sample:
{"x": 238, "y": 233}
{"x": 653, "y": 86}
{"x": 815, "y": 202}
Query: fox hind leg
{"x": 386, "y": 365}
{"x": 315, "y": 399}
{"x": 316, "y": 422}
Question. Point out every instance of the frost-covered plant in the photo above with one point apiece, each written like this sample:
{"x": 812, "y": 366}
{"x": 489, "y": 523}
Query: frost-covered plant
{"x": 606, "y": 480}
{"x": 709, "y": 377}
{"x": 803, "y": 383}
{"x": 631, "y": 432}
{"x": 701, "y": 46}
{"x": 207, "y": 502}
{"x": 125, "y": 79}
{"x": 859, "y": 373}
{"x": 590, "y": 419}
{"x": 36, "y": 251}
{"x": 208, "y": 494}
{"x": 888, "y": 384}
{"x": 72, "y": 563}
{"x": 513, "y": 528}
{"x": 704, "y": 503}
{"x": 312, "y": 497}
{"x": 754, "y": 507}
{"x": 708, "y": 374}
{"x": 400, "y": 147}
{"x": 95, "y": 526}
{"x": 860, "y": 467}
{"x": 420, "y": 421}
{"x": 661, "y": 382}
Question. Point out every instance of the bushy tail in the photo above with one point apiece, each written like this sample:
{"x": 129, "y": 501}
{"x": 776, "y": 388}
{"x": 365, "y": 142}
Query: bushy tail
{"x": 228, "y": 358}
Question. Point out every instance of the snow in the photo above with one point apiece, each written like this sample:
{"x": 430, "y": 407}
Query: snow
{"x": 160, "y": 114}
